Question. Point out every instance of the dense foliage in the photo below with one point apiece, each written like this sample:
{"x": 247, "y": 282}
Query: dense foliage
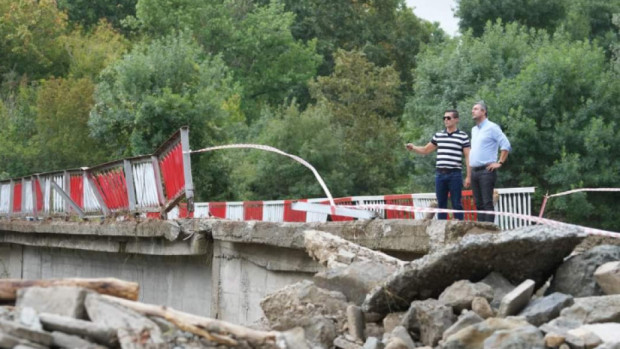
{"x": 342, "y": 84}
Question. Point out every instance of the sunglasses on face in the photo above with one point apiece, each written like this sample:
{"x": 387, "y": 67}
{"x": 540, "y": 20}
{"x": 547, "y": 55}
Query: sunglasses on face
{"x": 447, "y": 118}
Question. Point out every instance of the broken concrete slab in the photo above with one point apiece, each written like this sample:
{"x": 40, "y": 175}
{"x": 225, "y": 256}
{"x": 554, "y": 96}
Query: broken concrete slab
{"x": 68, "y": 301}
{"x": 532, "y": 252}
{"x": 517, "y": 299}
{"x": 354, "y": 280}
{"x": 63, "y": 340}
{"x": 413, "y": 237}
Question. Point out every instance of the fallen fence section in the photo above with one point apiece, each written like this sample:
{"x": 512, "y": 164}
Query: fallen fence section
{"x": 150, "y": 185}
{"x": 510, "y": 200}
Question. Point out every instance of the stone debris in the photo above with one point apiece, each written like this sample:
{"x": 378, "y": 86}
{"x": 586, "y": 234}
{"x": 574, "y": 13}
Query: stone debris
{"x": 499, "y": 290}
{"x": 479, "y": 292}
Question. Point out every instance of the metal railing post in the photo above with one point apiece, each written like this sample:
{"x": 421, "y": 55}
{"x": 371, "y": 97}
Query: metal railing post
{"x": 11, "y": 196}
{"x": 158, "y": 183}
{"x": 187, "y": 169}
{"x": 33, "y": 184}
{"x": 129, "y": 185}
{"x": 104, "y": 207}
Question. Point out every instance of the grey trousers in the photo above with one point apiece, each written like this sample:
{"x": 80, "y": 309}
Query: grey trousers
{"x": 482, "y": 184}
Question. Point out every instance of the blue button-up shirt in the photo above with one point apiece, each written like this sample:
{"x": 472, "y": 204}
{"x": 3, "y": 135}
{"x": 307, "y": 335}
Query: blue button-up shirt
{"x": 486, "y": 138}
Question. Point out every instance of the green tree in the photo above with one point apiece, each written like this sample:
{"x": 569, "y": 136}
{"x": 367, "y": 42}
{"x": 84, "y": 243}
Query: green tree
{"x": 254, "y": 41}
{"x": 88, "y": 13}
{"x": 91, "y": 52}
{"x": 552, "y": 96}
{"x": 540, "y": 14}
{"x": 62, "y": 138}
{"x": 158, "y": 87}
{"x": 361, "y": 98}
{"x": 29, "y": 38}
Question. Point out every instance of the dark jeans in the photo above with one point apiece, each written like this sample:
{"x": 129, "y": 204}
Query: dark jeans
{"x": 482, "y": 184}
{"x": 450, "y": 182}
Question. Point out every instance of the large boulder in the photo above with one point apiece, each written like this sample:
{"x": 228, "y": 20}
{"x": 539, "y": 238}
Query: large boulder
{"x": 576, "y": 275}
{"x": 532, "y": 252}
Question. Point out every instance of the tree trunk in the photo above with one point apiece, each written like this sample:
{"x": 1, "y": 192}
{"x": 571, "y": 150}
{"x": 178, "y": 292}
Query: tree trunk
{"x": 109, "y": 286}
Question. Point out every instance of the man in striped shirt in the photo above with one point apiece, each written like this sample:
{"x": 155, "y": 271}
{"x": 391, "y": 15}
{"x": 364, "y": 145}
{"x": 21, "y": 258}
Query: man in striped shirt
{"x": 451, "y": 144}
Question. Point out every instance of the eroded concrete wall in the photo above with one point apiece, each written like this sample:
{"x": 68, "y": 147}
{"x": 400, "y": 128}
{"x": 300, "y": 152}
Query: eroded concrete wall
{"x": 181, "y": 282}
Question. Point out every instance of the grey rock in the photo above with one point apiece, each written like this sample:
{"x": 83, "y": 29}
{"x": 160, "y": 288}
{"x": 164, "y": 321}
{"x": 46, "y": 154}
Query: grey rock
{"x": 532, "y": 252}
{"x": 607, "y": 276}
{"x": 355, "y": 321}
{"x": 481, "y": 306}
{"x": 582, "y": 337}
{"x": 373, "y": 329}
{"x": 295, "y": 338}
{"x": 343, "y": 343}
{"x": 397, "y": 343}
{"x": 318, "y": 311}
{"x": 67, "y": 301}
{"x": 460, "y": 294}
{"x": 25, "y": 333}
{"x": 473, "y": 337}
{"x": 108, "y": 314}
{"x": 402, "y": 335}
{"x": 589, "y": 310}
{"x": 392, "y": 320}
{"x": 354, "y": 280}
{"x": 465, "y": 320}
{"x": 373, "y": 343}
{"x": 517, "y": 299}
{"x": 576, "y": 275}
{"x": 615, "y": 345}
{"x": 63, "y": 340}
{"x": 98, "y": 333}
{"x": 9, "y": 341}
{"x": 500, "y": 285}
{"x": 525, "y": 337}
{"x": 545, "y": 309}
{"x": 430, "y": 318}
{"x": 29, "y": 317}
{"x": 608, "y": 332}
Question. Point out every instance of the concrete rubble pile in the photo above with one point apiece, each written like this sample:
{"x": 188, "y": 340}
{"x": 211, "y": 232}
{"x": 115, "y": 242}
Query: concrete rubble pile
{"x": 77, "y": 317}
{"x": 526, "y": 288}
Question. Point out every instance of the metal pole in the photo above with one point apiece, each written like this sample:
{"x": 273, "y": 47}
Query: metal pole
{"x": 187, "y": 169}
{"x": 129, "y": 183}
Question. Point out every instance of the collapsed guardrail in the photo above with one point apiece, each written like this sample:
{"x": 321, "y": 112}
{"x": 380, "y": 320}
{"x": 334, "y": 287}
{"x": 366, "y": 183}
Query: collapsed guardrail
{"x": 149, "y": 184}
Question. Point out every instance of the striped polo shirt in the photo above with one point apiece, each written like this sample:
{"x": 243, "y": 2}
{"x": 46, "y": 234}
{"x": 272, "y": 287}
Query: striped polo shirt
{"x": 450, "y": 148}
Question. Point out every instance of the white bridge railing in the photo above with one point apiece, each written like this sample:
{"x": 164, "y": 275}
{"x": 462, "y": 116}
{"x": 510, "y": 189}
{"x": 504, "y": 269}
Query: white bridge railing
{"x": 513, "y": 200}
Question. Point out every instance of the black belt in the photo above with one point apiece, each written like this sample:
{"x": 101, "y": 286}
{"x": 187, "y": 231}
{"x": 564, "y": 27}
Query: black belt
{"x": 448, "y": 170}
{"x": 479, "y": 168}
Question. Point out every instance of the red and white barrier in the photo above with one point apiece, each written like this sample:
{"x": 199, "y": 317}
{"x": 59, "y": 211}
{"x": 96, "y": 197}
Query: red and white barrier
{"x": 151, "y": 184}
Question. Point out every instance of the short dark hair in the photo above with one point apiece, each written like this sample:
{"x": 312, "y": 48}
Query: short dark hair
{"x": 454, "y": 112}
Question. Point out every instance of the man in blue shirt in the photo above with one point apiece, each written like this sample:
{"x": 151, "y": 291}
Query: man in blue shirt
{"x": 451, "y": 144}
{"x": 486, "y": 138}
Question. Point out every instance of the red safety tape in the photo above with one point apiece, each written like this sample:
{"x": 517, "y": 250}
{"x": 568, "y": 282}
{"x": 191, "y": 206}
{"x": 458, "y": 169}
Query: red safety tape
{"x": 545, "y": 221}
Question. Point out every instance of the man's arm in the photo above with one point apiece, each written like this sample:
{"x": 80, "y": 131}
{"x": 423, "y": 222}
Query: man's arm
{"x": 427, "y": 149}
{"x": 468, "y": 175}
